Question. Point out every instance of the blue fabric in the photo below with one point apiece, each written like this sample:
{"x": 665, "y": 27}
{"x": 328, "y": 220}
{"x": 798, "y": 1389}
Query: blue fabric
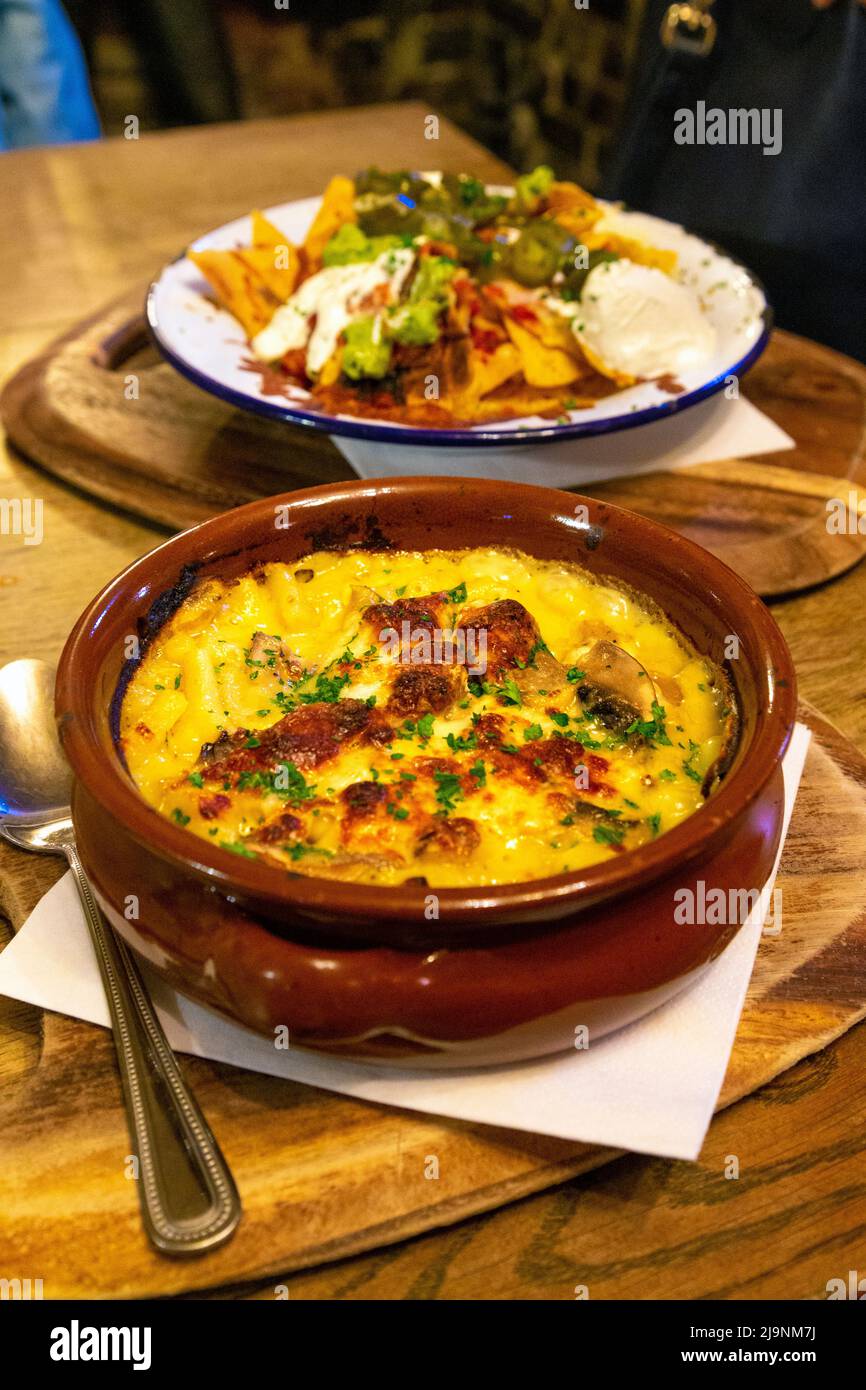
{"x": 798, "y": 218}
{"x": 45, "y": 96}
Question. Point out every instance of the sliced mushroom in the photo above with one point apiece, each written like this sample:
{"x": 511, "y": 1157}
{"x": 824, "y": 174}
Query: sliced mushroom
{"x": 543, "y": 680}
{"x": 455, "y": 837}
{"x": 670, "y": 689}
{"x": 615, "y": 688}
{"x": 587, "y": 813}
{"x": 273, "y": 653}
{"x": 719, "y": 766}
{"x": 343, "y": 864}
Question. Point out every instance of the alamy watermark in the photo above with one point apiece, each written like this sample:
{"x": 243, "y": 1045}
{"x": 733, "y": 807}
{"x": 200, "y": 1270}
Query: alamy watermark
{"x": 737, "y": 126}
{"x": 22, "y": 516}
{"x": 703, "y": 906}
{"x": 438, "y": 646}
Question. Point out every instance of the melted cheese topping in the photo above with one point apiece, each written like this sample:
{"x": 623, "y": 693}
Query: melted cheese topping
{"x": 304, "y": 715}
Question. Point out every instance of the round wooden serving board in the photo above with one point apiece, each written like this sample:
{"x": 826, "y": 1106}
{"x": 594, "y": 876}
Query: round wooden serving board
{"x": 322, "y": 1176}
{"x": 100, "y": 409}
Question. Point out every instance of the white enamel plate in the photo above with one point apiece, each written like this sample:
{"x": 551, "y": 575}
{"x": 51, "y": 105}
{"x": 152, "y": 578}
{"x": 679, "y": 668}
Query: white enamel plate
{"x": 208, "y": 346}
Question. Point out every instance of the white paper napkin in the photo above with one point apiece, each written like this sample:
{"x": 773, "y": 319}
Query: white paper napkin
{"x": 651, "y": 1087}
{"x": 715, "y": 429}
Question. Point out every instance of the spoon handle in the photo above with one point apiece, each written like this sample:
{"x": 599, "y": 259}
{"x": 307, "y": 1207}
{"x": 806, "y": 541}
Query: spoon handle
{"x": 188, "y": 1197}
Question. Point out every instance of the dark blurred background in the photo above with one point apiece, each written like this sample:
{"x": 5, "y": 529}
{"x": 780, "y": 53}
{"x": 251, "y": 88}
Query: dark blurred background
{"x": 521, "y": 75}
{"x": 590, "y": 90}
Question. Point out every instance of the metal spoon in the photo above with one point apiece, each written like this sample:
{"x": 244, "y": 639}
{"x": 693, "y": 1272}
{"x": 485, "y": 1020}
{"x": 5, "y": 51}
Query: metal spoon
{"x": 189, "y": 1201}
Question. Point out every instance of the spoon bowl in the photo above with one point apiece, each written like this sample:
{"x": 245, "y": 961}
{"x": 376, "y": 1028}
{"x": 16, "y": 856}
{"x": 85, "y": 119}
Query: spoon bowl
{"x": 35, "y": 779}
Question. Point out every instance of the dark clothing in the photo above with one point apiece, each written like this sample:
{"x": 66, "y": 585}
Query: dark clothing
{"x": 797, "y": 218}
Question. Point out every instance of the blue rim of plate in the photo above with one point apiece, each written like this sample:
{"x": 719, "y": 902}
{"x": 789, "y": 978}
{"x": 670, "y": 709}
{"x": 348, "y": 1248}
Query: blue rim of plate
{"x": 381, "y": 433}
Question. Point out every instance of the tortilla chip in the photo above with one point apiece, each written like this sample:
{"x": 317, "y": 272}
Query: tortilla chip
{"x": 338, "y": 207}
{"x": 264, "y": 232}
{"x": 659, "y": 258}
{"x": 239, "y": 287}
{"x": 542, "y": 366}
{"x": 490, "y": 370}
{"x": 622, "y": 379}
{"x": 569, "y": 196}
{"x": 573, "y": 208}
{"x": 285, "y": 257}
{"x": 267, "y": 262}
{"x": 553, "y": 330}
{"x": 515, "y": 400}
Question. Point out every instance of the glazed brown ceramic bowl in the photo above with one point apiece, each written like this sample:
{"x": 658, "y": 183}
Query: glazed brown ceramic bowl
{"x": 361, "y": 970}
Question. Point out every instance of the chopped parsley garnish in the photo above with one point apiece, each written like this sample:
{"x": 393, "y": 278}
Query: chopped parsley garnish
{"x": 654, "y": 822}
{"x": 448, "y": 791}
{"x": 425, "y": 726}
{"x": 458, "y": 594}
{"x": 291, "y": 783}
{"x": 479, "y": 772}
{"x": 653, "y": 730}
{"x": 461, "y": 743}
{"x": 327, "y": 690}
{"x": 299, "y": 851}
{"x": 690, "y": 771}
{"x": 574, "y": 674}
{"x": 285, "y": 781}
{"x": 196, "y": 779}
{"x": 180, "y": 816}
{"x": 559, "y": 718}
{"x": 532, "y": 732}
{"x": 235, "y": 847}
{"x": 608, "y": 834}
{"x": 509, "y": 692}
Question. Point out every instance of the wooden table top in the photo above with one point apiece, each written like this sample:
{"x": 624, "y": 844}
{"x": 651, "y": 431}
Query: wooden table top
{"x": 80, "y": 224}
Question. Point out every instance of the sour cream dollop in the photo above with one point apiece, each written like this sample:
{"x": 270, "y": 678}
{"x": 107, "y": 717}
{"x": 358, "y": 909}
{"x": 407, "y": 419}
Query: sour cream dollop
{"x": 333, "y": 297}
{"x": 635, "y": 321}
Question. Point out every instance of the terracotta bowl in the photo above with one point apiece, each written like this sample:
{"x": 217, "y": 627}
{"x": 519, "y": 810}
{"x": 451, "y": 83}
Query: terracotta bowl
{"x": 359, "y": 970}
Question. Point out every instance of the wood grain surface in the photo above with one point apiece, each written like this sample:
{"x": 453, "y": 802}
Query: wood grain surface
{"x": 81, "y": 225}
